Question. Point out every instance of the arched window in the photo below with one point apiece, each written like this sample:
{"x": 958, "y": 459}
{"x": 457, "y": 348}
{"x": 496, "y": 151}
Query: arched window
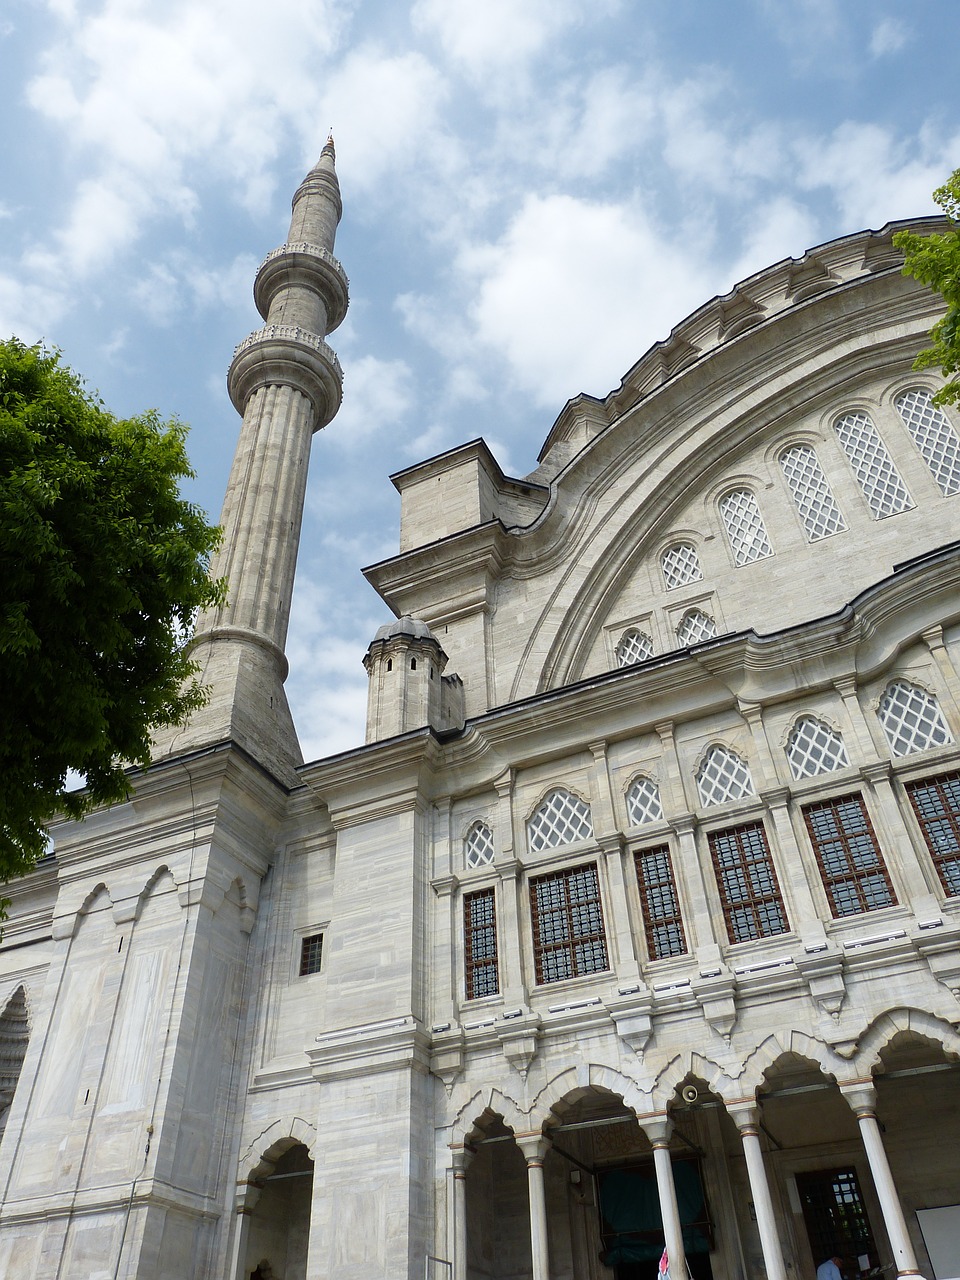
{"x": 14, "y": 1035}
{"x": 723, "y": 776}
{"x": 680, "y": 564}
{"x": 633, "y": 646}
{"x": 933, "y": 435}
{"x": 563, "y": 818}
{"x": 643, "y": 801}
{"x": 478, "y": 845}
{"x": 744, "y": 526}
{"x": 819, "y": 513}
{"x": 879, "y": 479}
{"x": 694, "y": 626}
{"x": 911, "y": 719}
{"x": 813, "y": 747}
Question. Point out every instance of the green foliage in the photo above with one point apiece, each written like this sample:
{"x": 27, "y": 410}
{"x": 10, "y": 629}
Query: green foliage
{"x": 935, "y": 260}
{"x": 103, "y": 567}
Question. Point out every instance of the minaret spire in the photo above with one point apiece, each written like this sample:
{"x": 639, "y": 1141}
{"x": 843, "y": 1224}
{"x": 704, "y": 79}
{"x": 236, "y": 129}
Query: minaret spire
{"x": 286, "y": 382}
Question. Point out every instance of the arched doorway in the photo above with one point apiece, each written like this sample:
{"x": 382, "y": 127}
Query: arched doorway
{"x": 278, "y": 1226}
{"x": 498, "y": 1218}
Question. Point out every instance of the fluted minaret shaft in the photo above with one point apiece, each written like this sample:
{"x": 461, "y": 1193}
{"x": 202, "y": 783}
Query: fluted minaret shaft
{"x": 286, "y": 382}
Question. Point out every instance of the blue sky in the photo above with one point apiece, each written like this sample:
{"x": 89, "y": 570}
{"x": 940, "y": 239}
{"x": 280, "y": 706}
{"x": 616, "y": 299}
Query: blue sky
{"x": 534, "y": 192}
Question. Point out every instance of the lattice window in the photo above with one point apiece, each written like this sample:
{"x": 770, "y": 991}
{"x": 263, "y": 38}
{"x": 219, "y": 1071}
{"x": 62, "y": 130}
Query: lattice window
{"x": 662, "y": 922}
{"x": 749, "y": 892}
{"x": 694, "y": 626}
{"x": 723, "y": 776}
{"x": 633, "y": 646}
{"x": 561, "y": 819}
{"x": 813, "y": 747}
{"x": 933, "y": 435}
{"x": 911, "y": 719}
{"x": 680, "y": 564}
{"x": 311, "y": 954}
{"x": 568, "y": 936}
{"x": 744, "y": 525}
{"x": 480, "y": 944}
{"x": 936, "y": 802}
{"x": 818, "y": 511}
{"x": 848, "y": 856}
{"x": 872, "y": 465}
{"x": 643, "y": 801}
{"x": 478, "y": 845}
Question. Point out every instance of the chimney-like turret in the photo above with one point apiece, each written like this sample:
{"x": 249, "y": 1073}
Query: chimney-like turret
{"x": 286, "y": 382}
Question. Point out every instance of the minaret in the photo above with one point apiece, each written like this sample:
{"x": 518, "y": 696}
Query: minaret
{"x": 286, "y": 382}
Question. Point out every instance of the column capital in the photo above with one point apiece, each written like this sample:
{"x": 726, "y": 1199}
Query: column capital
{"x": 745, "y": 1115}
{"x": 751, "y": 711}
{"x": 775, "y": 797}
{"x": 933, "y": 638}
{"x": 460, "y": 1158}
{"x": 685, "y": 825}
{"x": 861, "y": 1097}
{"x": 664, "y": 729}
{"x": 533, "y": 1147}
{"x": 657, "y": 1128}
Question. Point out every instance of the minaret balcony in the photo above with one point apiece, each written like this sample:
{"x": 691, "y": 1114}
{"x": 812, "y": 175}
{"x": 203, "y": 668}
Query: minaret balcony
{"x": 303, "y": 266}
{"x": 287, "y": 356}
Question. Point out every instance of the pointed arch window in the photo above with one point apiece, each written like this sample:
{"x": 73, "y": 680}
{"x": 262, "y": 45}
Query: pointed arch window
{"x": 813, "y": 747}
{"x": 819, "y": 513}
{"x": 563, "y": 818}
{"x": 478, "y": 845}
{"x": 879, "y": 479}
{"x": 643, "y": 801}
{"x": 723, "y": 776}
{"x": 633, "y": 646}
{"x": 14, "y": 1036}
{"x": 680, "y": 564}
{"x": 933, "y": 435}
{"x": 911, "y": 719}
{"x": 743, "y": 522}
{"x": 694, "y": 626}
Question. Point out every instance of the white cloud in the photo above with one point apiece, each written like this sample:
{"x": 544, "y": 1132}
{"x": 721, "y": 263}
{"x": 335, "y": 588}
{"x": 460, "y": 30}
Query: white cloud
{"x": 874, "y": 176}
{"x": 888, "y": 36}
{"x": 575, "y": 291}
{"x": 377, "y": 395}
{"x": 486, "y": 38}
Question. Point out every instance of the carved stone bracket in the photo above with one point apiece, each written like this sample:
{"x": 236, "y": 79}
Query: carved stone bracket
{"x": 716, "y": 996}
{"x": 518, "y": 1039}
{"x": 633, "y": 1020}
{"x": 446, "y": 1055}
{"x": 823, "y": 973}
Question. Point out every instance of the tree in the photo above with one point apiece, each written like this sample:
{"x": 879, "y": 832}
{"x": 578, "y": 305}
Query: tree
{"x": 103, "y": 566}
{"x": 935, "y": 260}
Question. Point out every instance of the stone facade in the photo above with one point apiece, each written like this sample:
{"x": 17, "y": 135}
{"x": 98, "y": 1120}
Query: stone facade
{"x": 636, "y": 919}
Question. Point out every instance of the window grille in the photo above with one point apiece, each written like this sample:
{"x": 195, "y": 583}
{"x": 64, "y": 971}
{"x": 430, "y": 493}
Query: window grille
{"x": 933, "y": 435}
{"x": 661, "y": 908}
{"x": 813, "y": 747}
{"x": 643, "y": 801}
{"x": 744, "y": 525}
{"x": 911, "y": 719}
{"x": 633, "y": 646}
{"x": 311, "y": 954}
{"x": 561, "y": 819}
{"x": 723, "y": 776}
{"x": 478, "y": 845}
{"x": 680, "y": 564}
{"x": 936, "y": 802}
{"x": 694, "y": 626}
{"x": 749, "y": 893}
{"x": 568, "y": 936}
{"x": 480, "y": 944}
{"x": 817, "y": 509}
{"x": 872, "y": 465}
{"x": 853, "y": 871}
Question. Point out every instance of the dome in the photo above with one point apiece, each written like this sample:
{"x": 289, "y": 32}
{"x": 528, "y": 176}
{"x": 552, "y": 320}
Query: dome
{"x": 405, "y": 626}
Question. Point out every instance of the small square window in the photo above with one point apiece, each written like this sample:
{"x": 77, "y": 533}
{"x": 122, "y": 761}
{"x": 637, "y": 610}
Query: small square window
{"x": 311, "y": 953}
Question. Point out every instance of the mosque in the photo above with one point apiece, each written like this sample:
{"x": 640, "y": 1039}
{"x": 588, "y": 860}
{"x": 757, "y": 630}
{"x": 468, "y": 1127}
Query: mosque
{"x": 634, "y": 923}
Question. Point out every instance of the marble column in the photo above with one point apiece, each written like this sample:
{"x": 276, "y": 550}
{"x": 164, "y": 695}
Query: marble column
{"x": 746, "y": 1118}
{"x": 460, "y": 1161}
{"x": 534, "y": 1149}
{"x": 862, "y": 1099}
{"x": 658, "y": 1130}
